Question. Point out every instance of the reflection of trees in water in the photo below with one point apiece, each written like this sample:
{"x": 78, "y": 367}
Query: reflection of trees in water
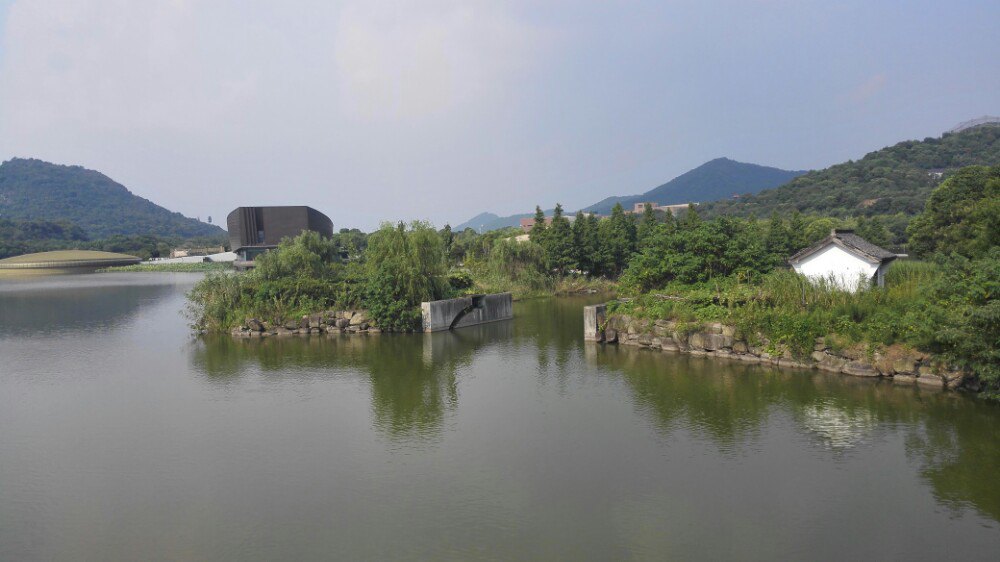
{"x": 412, "y": 377}
{"x": 959, "y": 449}
{"x": 554, "y": 328}
{"x": 955, "y": 438}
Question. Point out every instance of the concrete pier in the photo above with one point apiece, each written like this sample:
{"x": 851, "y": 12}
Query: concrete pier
{"x": 594, "y": 317}
{"x": 466, "y": 311}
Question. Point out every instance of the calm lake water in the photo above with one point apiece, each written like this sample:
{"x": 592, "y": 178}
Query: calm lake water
{"x": 124, "y": 437}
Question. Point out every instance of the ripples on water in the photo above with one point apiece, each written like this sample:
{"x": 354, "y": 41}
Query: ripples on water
{"x": 122, "y": 436}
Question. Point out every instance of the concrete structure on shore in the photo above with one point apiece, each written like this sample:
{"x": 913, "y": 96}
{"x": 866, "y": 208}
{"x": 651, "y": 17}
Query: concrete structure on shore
{"x": 255, "y": 230}
{"x": 594, "y": 318}
{"x": 466, "y": 311}
{"x": 64, "y": 261}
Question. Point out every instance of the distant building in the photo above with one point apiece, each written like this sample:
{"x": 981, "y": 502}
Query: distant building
{"x": 640, "y": 208}
{"x": 192, "y": 252}
{"x": 845, "y": 260}
{"x": 529, "y": 223}
{"x": 255, "y": 230}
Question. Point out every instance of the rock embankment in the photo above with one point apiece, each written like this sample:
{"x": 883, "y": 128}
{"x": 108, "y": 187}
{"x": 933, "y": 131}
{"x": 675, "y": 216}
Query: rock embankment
{"x": 330, "y": 322}
{"x": 902, "y": 365}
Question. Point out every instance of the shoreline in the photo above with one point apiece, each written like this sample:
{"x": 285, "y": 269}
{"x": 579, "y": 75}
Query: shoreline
{"x": 715, "y": 339}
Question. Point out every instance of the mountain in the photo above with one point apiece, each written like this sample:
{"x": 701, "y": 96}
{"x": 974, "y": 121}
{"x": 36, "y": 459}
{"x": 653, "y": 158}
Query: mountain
{"x": 895, "y": 179}
{"x": 33, "y": 190}
{"x": 716, "y": 179}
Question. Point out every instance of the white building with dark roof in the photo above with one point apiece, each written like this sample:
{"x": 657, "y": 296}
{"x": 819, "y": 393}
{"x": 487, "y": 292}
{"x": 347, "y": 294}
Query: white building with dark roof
{"x": 845, "y": 260}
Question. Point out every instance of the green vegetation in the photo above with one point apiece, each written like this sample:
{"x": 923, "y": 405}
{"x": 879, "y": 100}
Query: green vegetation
{"x": 28, "y": 237}
{"x": 170, "y": 267}
{"x": 726, "y": 270}
{"x": 33, "y": 190}
{"x": 685, "y": 268}
{"x": 716, "y": 179}
{"x": 893, "y": 180}
{"x": 962, "y": 216}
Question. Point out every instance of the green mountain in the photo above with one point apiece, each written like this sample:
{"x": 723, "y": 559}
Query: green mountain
{"x": 895, "y": 179}
{"x": 715, "y": 179}
{"x": 33, "y": 190}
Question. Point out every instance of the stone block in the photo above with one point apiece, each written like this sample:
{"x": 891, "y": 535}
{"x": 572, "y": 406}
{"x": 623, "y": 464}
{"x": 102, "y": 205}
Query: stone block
{"x": 859, "y": 369}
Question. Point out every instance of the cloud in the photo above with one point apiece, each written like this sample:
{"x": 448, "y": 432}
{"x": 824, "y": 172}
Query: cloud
{"x": 211, "y": 104}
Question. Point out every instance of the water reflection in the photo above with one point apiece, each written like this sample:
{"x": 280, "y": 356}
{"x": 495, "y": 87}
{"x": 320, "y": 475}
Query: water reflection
{"x": 953, "y": 438}
{"x": 412, "y": 377}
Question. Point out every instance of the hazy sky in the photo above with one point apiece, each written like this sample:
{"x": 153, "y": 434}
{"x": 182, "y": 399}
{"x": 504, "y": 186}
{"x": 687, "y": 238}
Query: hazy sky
{"x": 439, "y": 110}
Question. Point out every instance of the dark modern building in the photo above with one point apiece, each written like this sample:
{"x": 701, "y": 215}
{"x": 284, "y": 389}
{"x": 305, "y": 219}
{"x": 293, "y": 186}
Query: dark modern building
{"x": 255, "y": 230}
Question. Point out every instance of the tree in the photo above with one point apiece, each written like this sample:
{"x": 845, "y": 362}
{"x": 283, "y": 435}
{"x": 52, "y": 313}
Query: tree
{"x": 647, "y": 225}
{"x": 617, "y": 242}
{"x": 558, "y": 243}
{"x": 962, "y": 215}
{"x": 538, "y": 228}
{"x": 403, "y": 267}
{"x": 585, "y": 241}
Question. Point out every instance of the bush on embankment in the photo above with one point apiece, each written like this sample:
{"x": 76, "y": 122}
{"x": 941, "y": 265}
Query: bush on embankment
{"x": 947, "y": 308}
{"x": 401, "y": 267}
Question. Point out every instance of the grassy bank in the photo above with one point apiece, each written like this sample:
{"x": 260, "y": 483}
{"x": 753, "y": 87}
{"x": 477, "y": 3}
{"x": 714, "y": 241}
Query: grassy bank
{"x": 944, "y": 308}
{"x": 170, "y": 267}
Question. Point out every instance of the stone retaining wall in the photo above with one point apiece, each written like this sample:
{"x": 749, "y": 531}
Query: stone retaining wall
{"x": 329, "y": 322}
{"x": 902, "y": 365}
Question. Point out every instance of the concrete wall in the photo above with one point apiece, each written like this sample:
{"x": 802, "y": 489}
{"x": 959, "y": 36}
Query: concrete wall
{"x": 466, "y": 311}
{"x": 593, "y": 322}
{"x": 842, "y": 268}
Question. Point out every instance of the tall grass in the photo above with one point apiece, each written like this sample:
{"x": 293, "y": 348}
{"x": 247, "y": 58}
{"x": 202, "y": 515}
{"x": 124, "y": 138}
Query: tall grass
{"x": 791, "y": 311}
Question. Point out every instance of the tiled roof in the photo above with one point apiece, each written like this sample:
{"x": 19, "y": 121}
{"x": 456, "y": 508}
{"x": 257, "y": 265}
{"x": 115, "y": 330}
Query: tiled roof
{"x": 850, "y": 241}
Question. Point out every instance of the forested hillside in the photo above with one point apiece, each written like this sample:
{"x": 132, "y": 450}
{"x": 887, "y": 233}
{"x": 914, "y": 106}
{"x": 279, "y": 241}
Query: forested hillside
{"x": 33, "y": 190}
{"x": 716, "y": 179}
{"x": 893, "y": 180}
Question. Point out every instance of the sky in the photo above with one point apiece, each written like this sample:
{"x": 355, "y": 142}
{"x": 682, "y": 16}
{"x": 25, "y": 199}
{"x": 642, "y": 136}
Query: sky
{"x": 438, "y": 110}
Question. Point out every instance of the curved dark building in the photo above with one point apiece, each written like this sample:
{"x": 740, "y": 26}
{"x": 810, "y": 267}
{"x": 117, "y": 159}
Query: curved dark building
{"x": 254, "y": 230}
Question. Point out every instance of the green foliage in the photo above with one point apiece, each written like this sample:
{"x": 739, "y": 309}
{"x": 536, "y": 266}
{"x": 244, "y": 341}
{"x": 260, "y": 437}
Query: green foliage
{"x": 516, "y": 267}
{"x": 403, "y": 267}
{"x": 187, "y": 267}
{"x": 962, "y": 215}
{"x": 892, "y": 180}
{"x": 36, "y": 190}
{"x": 965, "y": 301}
{"x": 558, "y": 243}
{"x": 617, "y": 240}
{"x": 27, "y": 237}
{"x": 695, "y": 251}
{"x": 585, "y": 241}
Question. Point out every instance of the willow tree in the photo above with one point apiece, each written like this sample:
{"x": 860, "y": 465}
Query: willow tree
{"x": 403, "y": 267}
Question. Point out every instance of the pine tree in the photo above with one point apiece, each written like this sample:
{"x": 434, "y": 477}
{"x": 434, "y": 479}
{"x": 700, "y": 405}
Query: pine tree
{"x": 647, "y": 226}
{"x": 617, "y": 241}
{"x": 538, "y": 229}
{"x": 559, "y": 243}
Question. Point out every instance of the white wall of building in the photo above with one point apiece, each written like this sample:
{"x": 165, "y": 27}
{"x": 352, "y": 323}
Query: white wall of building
{"x": 838, "y": 266}
{"x": 223, "y": 257}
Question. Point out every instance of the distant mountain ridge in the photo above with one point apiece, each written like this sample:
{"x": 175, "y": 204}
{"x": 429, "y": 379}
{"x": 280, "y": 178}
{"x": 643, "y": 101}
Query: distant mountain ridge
{"x": 713, "y": 180}
{"x": 35, "y": 190}
{"x": 891, "y": 180}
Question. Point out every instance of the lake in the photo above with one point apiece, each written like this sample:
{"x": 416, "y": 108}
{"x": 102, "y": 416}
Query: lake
{"x": 123, "y": 436}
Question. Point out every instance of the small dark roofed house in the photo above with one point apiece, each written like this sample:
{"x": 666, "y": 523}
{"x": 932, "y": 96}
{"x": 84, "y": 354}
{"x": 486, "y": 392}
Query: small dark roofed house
{"x": 845, "y": 260}
{"x": 255, "y": 230}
